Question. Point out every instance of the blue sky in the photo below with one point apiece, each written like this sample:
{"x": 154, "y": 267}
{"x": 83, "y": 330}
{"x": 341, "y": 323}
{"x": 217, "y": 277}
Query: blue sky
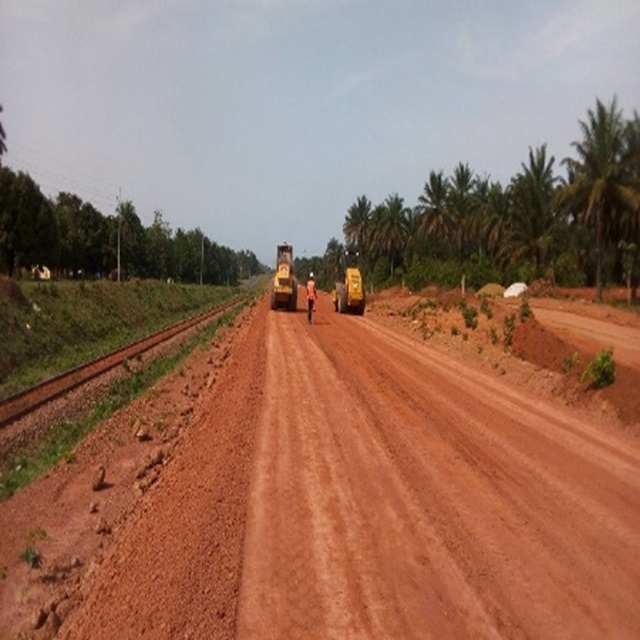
{"x": 260, "y": 121}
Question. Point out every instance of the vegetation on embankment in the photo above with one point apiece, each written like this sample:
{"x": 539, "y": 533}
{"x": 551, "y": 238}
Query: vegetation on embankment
{"x": 48, "y": 327}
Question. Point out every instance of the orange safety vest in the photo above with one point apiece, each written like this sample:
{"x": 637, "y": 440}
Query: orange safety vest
{"x": 311, "y": 290}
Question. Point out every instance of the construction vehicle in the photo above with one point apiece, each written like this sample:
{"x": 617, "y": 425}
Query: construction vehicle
{"x": 284, "y": 292}
{"x": 348, "y": 295}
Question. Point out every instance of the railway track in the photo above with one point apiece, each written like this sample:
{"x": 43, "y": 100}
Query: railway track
{"x": 21, "y": 404}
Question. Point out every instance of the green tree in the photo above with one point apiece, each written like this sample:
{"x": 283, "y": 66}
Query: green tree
{"x": 186, "y": 257}
{"x": 435, "y": 222}
{"x": 534, "y": 221}
{"x": 28, "y": 232}
{"x": 601, "y": 187}
{"x": 392, "y": 233}
{"x": 83, "y": 234}
{"x": 158, "y": 239}
{"x": 331, "y": 264}
{"x": 461, "y": 203}
{"x": 131, "y": 237}
{"x": 356, "y": 224}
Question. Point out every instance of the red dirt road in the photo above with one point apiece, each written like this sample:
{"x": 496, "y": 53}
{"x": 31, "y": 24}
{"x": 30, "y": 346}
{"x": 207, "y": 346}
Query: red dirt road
{"x": 346, "y": 480}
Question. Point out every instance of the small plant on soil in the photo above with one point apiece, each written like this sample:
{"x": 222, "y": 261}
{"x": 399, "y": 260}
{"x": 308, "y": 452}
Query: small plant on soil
{"x": 601, "y": 370}
{"x": 569, "y": 362}
{"x": 470, "y": 315}
{"x": 525, "y": 310}
{"x": 486, "y": 308}
{"x": 454, "y": 330}
{"x": 509, "y": 325}
{"x": 30, "y": 554}
{"x": 493, "y": 335}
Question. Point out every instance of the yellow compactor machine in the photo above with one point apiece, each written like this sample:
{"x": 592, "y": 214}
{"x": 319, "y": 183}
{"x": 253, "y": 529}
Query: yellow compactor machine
{"x": 348, "y": 294}
{"x": 284, "y": 292}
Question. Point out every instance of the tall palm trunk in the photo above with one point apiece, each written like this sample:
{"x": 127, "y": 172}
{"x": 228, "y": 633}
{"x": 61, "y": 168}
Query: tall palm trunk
{"x": 599, "y": 252}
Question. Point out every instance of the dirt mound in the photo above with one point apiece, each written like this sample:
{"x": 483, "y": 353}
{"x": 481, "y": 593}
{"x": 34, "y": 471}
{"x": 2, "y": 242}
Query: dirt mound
{"x": 11, "y": 292}
{"x": 491, "y": 289}
{"x": 535, "y": 344}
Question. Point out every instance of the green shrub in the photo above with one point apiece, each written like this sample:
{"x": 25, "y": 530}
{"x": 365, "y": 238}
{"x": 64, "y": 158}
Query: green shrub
{"x": 525, "y": 310}
{"x": 569, "y": 362}
{"x": 509, "y": 325}
{"x": 470, "y": 315}
{"x": 601, "y": 370}
{"x": 485, "y": 307}
{"x": 30, "y": 554}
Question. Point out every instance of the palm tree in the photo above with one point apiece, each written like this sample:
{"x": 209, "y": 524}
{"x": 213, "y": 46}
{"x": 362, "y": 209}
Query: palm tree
{"x": 356, "y": 224}
{"x": 534, "y": 218}
{"x": 461, "y": 204}
{"x": 332, "y": 262}
{"x": 394, "y": 232}
{"x": 496, "y": 221}
{"x": 601, "y": 188}
{"x": 435, "y": 220}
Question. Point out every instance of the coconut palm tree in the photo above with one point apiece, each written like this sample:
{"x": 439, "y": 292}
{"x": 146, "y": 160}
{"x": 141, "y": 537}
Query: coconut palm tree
{"x": 395, "y": 231}
{"x": 435, "y": 219}
{"x": 495, "y": 222}
{"x": 461, "y": 204}
{"x": 601, "y": 188}
{"x": 356, "y": 224}
{"x": 332, "y": 262}
{"x": 534, "y": 219}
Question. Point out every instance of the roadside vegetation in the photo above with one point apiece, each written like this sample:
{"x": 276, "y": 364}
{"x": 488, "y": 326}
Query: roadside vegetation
{"x": 574, "y": 223}
{"x": 23, "y": 467}
{"x": 49, "y": 327}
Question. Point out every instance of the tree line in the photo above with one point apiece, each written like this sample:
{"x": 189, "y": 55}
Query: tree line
{"x": 574, "y": 230}
{"x": 73, "y": 239}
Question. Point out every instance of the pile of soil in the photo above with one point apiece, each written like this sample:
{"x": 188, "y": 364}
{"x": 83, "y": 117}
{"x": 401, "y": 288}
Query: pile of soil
{"x": 491, "y": 289}
{"x": 552, "y": 362}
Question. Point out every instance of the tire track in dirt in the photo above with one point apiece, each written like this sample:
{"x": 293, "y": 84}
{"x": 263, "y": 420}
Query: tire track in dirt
{"x": 439, "y": 502}
{"x": 583, "y": 332}
{"x": 344, "y": 577}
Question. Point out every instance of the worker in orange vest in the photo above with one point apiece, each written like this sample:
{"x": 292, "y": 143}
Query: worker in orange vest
{"x": 312, "y": 296}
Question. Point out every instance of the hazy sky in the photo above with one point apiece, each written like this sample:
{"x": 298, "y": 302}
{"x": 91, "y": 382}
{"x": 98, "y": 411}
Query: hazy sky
{"x": 260, "y": 121}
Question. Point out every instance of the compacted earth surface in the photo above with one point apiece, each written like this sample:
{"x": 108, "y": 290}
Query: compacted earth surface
{"x": 396, "y": 475}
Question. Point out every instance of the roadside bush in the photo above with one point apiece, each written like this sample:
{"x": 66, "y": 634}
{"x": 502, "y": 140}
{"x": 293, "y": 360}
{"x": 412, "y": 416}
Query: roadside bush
{"x": 525, "y": 310}
{"x": 485, "y": 307}
{"x": 509, "y": 325}
{"x": 480, "y": 270}
{"x": 470, "y": 315}
{"x": 569, "y": 362}
{"x": 567, "y": 273}
{"x": 601, "y": 370}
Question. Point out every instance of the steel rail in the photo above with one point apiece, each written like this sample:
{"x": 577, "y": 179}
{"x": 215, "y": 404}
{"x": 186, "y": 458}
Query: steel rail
{"x": 24, "y": 402}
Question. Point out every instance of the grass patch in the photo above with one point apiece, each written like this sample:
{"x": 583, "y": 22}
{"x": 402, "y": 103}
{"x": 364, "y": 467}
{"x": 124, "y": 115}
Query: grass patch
{"x": 60, "y": 325}
{"x": 58, "y": 445}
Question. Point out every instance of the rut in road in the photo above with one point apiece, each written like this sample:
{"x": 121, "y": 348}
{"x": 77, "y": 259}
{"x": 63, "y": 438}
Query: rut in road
{"x": 399, "y": 493}
{"x": 342, "y": 480}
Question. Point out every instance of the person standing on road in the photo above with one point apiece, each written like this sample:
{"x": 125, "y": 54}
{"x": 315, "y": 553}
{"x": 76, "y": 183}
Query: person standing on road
{"x": 312, "y": 296}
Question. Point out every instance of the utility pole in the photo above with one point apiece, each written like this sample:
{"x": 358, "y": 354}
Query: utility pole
{"x": 201, "y": 256}
{"x": 119, "y": 216}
